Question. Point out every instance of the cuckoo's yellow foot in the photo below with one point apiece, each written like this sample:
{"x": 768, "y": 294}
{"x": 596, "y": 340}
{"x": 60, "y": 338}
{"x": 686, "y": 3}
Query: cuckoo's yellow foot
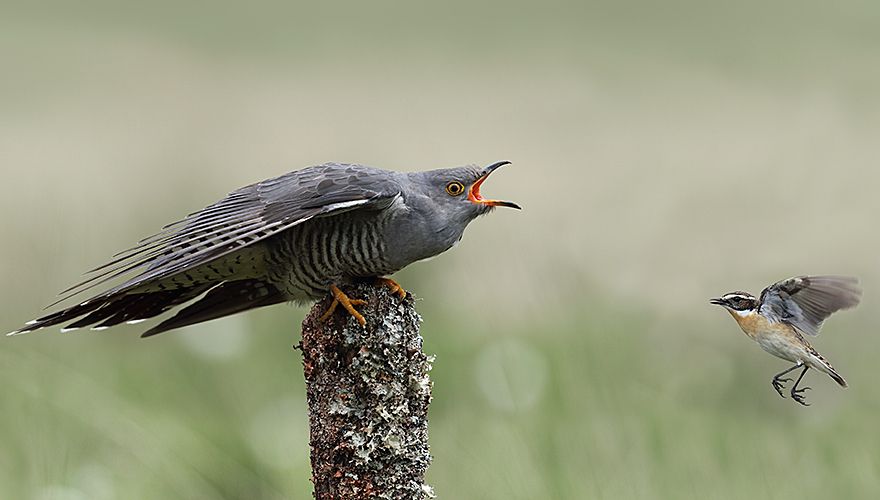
{"x": 393, "y": 285}
{"x": 339, "y": 297}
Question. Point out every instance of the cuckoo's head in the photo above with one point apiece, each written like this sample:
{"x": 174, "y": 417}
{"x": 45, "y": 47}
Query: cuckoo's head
{"x": 456, "y": 192}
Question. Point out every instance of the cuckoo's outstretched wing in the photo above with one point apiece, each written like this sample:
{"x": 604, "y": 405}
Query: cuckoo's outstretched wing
{"x": 246, "y": 216}
{"x": 806, "y": 301}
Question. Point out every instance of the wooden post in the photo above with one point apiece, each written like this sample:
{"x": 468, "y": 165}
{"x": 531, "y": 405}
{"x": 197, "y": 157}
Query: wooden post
{"x": 368, "y": 392}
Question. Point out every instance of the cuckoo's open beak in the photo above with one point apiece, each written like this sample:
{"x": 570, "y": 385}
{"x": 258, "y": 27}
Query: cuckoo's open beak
{"x": 474, "y": 193}
{"x": 718, "y": 302}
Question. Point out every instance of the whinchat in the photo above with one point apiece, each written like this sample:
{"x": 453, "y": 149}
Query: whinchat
{"x": 785, "y": 311}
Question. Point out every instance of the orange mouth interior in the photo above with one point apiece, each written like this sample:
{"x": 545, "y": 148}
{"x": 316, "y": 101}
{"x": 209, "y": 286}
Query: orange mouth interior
{"x": 475, "y": 197}
{"x": 474, "y": 194}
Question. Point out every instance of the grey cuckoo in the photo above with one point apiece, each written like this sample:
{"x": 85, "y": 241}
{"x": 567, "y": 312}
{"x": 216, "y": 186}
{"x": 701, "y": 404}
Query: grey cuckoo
{"x": 292, "y": 238}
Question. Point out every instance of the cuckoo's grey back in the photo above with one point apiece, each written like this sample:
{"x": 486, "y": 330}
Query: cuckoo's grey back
{"x": 288, "y": 238}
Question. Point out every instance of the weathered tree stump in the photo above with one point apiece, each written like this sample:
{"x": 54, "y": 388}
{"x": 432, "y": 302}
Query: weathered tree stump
{"x": 368, "y": 393}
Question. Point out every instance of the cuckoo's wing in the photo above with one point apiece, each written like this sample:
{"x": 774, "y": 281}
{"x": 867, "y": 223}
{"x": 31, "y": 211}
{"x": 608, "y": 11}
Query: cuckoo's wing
{"x": 806, "y": 301}
{"x": 244, "y": 217}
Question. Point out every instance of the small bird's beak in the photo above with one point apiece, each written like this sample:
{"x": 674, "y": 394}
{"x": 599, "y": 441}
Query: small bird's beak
{"x": 474, "y": 194}
{"x": 718, "y": 302}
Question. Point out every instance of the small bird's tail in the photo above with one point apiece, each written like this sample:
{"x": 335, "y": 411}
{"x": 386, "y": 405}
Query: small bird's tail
{"x": 823, "y": 365}
{"x": 837, "y": 378}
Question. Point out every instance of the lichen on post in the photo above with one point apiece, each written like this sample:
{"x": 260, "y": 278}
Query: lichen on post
{"x": 368, "y": 392}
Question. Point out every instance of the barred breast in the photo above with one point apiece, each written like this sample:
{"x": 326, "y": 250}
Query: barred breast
{"x": 304, "y": 261}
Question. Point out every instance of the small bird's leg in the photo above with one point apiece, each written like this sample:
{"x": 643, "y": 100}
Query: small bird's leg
{"x": 393, "y": 285}
{"x": 778, "y": 380}
{"x": 796, "y": 393}
{"x": 348, "y": 304}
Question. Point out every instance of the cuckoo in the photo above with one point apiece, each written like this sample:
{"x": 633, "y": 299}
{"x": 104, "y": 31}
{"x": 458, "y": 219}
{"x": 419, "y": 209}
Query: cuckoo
{"x": 295, "y": 238}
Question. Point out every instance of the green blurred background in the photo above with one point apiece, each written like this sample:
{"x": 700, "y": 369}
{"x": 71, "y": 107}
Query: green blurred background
{"x": 665, "y": 152}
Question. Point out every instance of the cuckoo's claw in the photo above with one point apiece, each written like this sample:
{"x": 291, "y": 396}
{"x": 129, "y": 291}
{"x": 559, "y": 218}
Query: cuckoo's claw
{"x": 339, "y": 297}
{"x": 393, "y": 285}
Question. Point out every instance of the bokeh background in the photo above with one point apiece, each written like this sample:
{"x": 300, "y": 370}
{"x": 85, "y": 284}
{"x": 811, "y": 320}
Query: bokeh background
{"x": 665, "y": 152}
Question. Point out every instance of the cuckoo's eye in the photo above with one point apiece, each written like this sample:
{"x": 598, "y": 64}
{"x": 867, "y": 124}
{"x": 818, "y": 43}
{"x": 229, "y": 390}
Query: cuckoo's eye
{"x": 454, "y": 188}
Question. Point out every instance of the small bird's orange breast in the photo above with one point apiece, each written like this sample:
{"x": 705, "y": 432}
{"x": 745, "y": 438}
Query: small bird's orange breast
{"x": 752, "y": 324}
{"x": 779, "y": 339}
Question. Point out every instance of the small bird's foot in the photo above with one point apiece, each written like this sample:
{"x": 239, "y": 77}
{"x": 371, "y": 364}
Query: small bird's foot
{"x": 393, "y": 285}
{"x": 797, "y": 396}
{"x": 779, "y": 385}
{"x": 339, "y": 297}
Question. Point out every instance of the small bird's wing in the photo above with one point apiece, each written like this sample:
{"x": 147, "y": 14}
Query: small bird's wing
{"x": 806, "y": 301}
{"x": 244, "y": 217}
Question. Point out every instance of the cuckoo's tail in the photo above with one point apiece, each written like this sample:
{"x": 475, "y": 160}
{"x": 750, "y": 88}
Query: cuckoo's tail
{"x": 106, "y": 310}
{"x": 227, "y": 298}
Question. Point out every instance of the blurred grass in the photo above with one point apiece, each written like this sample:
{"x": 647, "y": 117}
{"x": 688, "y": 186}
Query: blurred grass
{"x": 664, "y": 152}
{"x": 619, "y": 414}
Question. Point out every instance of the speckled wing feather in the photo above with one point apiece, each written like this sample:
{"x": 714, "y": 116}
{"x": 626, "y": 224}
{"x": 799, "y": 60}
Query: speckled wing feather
{"x": 244, "y": 217}
{"x": 806, "y": 301}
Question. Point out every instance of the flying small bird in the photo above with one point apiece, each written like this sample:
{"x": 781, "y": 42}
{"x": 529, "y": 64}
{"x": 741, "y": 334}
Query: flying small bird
{"x": 291, "y": 238}
{"x": 787, "y": 310}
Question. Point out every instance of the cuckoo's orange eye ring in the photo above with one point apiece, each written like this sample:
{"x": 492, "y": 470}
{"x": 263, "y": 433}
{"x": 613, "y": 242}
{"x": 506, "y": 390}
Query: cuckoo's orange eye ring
{"x": 455, "y": 188}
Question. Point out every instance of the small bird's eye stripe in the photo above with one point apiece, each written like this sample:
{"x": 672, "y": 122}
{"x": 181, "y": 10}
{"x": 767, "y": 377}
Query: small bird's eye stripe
{"x": 736, "y": 297}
